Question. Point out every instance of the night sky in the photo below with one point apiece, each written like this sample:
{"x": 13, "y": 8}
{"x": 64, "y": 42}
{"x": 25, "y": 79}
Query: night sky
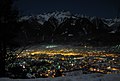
{"x": 99, "y": 8}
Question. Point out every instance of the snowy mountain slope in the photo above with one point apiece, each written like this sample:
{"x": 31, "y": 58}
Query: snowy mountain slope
{"x": 44, "y": 17}
{"x": 84, "y": 77}
{"x": 114, "y": 24}
{"x": 61, "y": 16}
{"x": 66, "y": 14}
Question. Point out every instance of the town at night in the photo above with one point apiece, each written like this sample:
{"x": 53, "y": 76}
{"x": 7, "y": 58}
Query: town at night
{"x": 59, "y": 40}
{"x": 58, "y": 60}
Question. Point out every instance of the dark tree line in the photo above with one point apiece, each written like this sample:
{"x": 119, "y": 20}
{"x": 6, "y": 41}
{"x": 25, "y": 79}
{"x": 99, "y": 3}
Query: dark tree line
{"x": 8, "y": 29}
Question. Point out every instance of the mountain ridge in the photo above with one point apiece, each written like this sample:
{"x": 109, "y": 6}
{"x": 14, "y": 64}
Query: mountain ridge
{"x": 64, "y": 26}
{"x": 66, "y": 14}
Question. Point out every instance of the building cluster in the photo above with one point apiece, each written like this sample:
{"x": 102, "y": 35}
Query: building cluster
{"x": 53, "y": 63}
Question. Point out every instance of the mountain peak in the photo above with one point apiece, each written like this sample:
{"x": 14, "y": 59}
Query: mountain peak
{"x": 61, "y": 15}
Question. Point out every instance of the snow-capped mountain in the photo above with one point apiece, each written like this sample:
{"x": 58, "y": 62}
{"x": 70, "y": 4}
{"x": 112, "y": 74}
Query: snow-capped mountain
{"x": 60, "y": 16}
{"x": 111, "y": 22}
{"x": 65, "y": 26}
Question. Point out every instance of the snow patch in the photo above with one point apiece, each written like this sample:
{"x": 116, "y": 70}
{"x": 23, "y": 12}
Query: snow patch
{"x": 83, "y": 77}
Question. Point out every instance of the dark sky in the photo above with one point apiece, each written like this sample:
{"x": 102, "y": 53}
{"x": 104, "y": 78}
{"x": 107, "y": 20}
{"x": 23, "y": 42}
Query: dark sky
{"x": 100, "y": 8}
